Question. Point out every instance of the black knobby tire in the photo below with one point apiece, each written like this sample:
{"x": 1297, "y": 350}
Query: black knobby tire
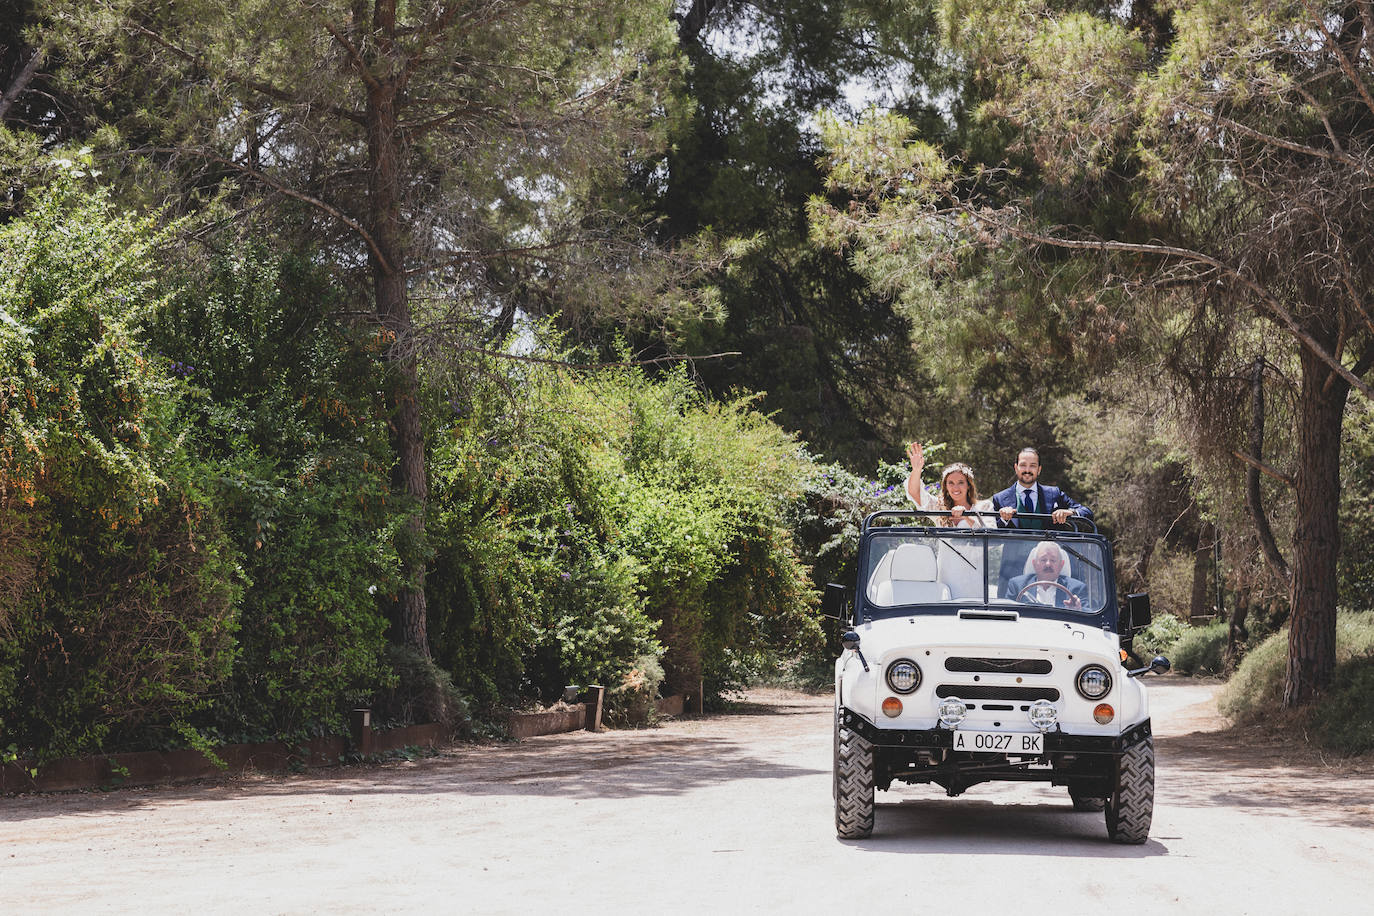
{"x": 1132, "y": 803}
{"x": 835, "y": 769}
{"x": 853, "y": 784}
{"x": 1082, "y": 802}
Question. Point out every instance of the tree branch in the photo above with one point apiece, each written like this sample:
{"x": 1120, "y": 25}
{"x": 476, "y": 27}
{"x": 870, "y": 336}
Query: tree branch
{"x": 280, "y": 188}
{"x": 1254, "y": 500}
{"x": 1265, "y": 469}
{"x": 1326, "y": 122}
{"x": 353, "y": 54}
{"x": 1302, "y": 149}
{"x": 415, "y": 130}
{"x": 546, "y": 361}
{"x": 436, "y": 26}
{"x": 256, "y": 85}
{"x": 692, "y": 23}
{"x": 1277, "y": 309}
{"x": 1347, "y": 67}
{"x": 21, "y": 82}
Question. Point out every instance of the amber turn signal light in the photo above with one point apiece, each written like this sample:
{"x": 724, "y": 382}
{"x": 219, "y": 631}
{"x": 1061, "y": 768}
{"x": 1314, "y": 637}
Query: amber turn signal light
{"x": 892, "y": 707}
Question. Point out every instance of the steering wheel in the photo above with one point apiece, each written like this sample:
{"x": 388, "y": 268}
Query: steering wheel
{"x": 1063, "y": 588}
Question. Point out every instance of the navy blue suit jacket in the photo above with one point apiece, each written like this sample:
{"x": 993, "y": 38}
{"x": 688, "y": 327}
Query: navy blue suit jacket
{"x": 1051, "y": 498}
{"x": 1079, "y": 589}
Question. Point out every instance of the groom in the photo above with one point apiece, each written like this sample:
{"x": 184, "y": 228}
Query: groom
{"x": 1030, "y": 496}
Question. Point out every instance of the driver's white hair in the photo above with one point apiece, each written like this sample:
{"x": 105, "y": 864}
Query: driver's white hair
{"x": 1051, "y": 545}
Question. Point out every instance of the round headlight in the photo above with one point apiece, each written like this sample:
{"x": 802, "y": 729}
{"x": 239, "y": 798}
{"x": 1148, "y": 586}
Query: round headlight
{"x": 1043, "y": 715}
{"x": 952, "y": 712}
{"x": 1094, "y": 682}
{"x": 903, "y": 675}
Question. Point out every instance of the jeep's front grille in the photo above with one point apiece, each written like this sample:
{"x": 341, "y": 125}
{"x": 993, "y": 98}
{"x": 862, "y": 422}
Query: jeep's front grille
{"x": 987, "y": 692}
{"x": 999, "y": 665}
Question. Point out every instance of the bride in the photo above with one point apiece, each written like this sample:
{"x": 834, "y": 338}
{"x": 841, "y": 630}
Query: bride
{"x": 960, "y": 566}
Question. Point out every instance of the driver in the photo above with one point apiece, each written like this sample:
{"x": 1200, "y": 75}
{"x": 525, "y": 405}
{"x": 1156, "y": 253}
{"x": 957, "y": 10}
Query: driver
{"x": 1045, "y": 584}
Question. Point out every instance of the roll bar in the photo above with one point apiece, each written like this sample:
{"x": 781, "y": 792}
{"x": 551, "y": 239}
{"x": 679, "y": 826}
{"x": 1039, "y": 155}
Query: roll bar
{"x": 1076, "y": 523}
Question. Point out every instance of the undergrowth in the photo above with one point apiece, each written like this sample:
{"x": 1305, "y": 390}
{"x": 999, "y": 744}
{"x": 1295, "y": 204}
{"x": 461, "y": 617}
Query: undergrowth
{"x": 1342, "y": 719}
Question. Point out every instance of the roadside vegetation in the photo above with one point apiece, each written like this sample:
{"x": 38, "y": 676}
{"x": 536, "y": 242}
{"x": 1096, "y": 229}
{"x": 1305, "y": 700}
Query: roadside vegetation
{"x": 435, "y": 362}
{"x": 1341, "y": 722}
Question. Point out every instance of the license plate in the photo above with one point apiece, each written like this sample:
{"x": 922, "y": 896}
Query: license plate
{"x": 1000, "y": 742}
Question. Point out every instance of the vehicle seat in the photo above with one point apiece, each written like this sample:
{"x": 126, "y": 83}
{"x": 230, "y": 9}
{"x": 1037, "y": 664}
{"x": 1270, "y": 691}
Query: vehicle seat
{"x": 911, "y": 579}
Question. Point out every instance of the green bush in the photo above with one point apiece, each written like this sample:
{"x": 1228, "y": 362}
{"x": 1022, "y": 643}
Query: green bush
{"x": 604, "y": 518}
{"x": 630, "y": 702}
{"x": 1355, "y": 570}
{"x": 1200, "y": 650}
{"x": 194, "y": 482}
{"x": 1342, "y": 716}
{"x": 1160, "y": 637}
{"x": 198, "y": 534}
{"x": 1257, "y": 686}
{"x": 283, "y": 404}
{"x": 120, "y": 623}
{"x": 421, "y": 692}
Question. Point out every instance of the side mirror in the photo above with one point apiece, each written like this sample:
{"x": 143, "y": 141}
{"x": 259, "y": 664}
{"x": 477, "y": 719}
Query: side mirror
{"x": 1137, "y": 611}
{"x": 850, "y": 640}
{"x": 1158, "y": 665}
{"x": 835, "y": 602}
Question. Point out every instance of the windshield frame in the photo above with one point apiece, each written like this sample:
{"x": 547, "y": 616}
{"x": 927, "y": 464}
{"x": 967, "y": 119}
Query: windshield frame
{"x": 1087, "y": 544}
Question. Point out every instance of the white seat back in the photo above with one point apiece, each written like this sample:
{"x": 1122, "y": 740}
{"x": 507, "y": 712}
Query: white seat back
{"x": 911, "y": 578}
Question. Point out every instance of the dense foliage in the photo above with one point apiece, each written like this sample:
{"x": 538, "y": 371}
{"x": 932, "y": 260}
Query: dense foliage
{"x": 224, "y": 482}
{"x": 281, "y": 432}
{"x": 120, "y": 586}
{"x": 281, "y": 400}
{"x": 1342, "y": 721}
{"x": 605, "y": 517}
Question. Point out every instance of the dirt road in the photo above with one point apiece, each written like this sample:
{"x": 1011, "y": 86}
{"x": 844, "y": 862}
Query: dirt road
{"x": 728, "y": 814}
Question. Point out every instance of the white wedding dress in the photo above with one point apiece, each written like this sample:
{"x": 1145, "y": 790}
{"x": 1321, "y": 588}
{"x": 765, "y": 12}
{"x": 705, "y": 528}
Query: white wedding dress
{"x": 960, "y": 563}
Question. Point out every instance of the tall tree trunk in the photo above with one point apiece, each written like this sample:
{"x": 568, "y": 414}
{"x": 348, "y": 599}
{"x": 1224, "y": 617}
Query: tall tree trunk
{"x": 1316, "y": 534}
{"x": 1142, "y": 567}
{"x": 1236, "y": 631}
{"x": 388, "y": 262}
{"x": 1254, "y": 501}
{"x": 1202, "y": 571}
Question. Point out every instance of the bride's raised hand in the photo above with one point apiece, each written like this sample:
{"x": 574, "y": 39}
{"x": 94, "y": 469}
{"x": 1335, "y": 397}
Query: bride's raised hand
{"x": 917, "y": 455}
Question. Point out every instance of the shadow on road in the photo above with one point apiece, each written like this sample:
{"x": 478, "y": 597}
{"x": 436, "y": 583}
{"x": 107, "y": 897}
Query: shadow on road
{"x": 985, "y": 828}
{"x": 779, "y": 735}
{"x": 576, "y": 766}
{"x": 1233, "y": 768}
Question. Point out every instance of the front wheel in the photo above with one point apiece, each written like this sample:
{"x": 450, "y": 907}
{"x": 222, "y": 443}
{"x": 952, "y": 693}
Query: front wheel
{"x": 853, "y": 784}
{"x": 1083, "y": 802}
{"x": 1132, "y": 802}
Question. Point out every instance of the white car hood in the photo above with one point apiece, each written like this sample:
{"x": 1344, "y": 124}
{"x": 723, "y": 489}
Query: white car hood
{"x": 881, "y": 638}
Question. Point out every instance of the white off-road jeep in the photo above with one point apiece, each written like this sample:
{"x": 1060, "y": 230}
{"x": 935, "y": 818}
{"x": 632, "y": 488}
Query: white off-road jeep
{"x": 988, "y": 654}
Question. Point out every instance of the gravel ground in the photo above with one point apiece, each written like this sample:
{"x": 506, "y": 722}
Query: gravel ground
{"x": 730, "y": 813}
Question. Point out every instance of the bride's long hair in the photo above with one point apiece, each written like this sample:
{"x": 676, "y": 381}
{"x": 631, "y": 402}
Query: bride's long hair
{"x": 945, "y": 502}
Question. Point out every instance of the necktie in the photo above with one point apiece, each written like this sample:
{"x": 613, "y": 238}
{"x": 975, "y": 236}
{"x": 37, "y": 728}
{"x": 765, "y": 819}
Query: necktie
{"x": 1028, "y": 506}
